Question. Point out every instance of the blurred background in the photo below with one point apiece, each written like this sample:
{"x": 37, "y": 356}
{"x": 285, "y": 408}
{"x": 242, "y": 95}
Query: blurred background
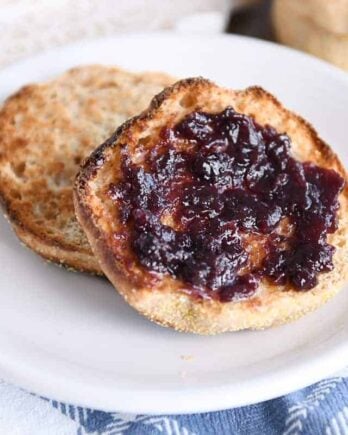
{"x": 319, "y": 27}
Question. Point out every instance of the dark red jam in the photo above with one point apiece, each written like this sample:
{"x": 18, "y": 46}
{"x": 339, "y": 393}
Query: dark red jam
{"x": 220, "y": 203}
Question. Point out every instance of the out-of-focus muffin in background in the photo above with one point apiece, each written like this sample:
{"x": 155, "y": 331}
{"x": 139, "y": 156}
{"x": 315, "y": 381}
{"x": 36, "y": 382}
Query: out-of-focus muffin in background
{"x": 319, "y": 27}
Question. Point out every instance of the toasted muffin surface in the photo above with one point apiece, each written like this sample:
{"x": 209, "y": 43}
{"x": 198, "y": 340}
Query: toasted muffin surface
{"x": 46, "y": 131}
{"x": 165, "y": 299}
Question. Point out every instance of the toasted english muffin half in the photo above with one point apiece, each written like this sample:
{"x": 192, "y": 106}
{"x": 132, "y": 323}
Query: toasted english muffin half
{"x": 46, "y": 131}
{"x": 161, "y": 297}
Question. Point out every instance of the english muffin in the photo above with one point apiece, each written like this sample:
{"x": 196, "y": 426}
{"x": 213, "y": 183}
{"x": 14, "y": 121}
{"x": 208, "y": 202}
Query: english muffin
{"x": 46, "y": 131}
{"x": 217, "y": 210}
{"x": 319, "y": 27}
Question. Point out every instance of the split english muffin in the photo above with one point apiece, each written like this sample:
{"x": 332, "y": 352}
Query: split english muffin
{"x": 217, "y": 210}
{"x": 46, "y": 131}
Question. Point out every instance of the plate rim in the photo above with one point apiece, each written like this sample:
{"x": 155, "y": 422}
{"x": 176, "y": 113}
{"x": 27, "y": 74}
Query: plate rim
{"x": 147, "y": 401}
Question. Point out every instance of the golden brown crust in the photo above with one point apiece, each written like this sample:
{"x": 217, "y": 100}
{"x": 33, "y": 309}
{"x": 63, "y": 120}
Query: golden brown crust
{"x": 164, "y": 300}
{"x": 46, "y": 131}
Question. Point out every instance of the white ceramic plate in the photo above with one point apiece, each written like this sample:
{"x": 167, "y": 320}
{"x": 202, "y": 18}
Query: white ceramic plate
{"x": 70, "y": 337}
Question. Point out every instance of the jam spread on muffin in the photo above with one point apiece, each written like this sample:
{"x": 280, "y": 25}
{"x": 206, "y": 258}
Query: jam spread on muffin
{"x": 221, "y": 203}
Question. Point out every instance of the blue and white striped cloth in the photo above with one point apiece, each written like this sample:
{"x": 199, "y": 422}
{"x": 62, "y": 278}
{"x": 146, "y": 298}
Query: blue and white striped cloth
{"x": 319, "y": 409}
